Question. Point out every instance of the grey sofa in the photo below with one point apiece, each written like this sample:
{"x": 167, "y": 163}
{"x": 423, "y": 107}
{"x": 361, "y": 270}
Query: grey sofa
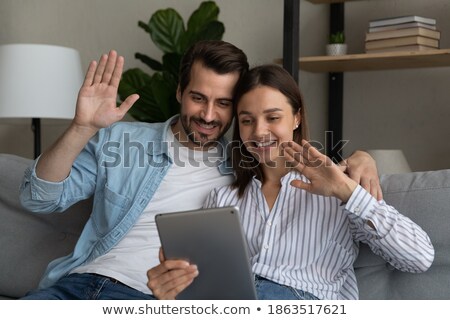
{"x": 29, "y": 241}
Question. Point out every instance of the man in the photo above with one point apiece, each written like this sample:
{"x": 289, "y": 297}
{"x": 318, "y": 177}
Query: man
{"x": 98, "y": 157}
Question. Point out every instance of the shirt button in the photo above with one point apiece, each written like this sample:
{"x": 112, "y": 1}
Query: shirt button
{"x": 266, "y": 246}
{"x": 357, "y": 209}
{"x": 269, "y": 223}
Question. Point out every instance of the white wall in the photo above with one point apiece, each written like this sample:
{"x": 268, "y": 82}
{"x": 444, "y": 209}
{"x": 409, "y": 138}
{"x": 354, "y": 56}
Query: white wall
{"x": 383, "y": 109}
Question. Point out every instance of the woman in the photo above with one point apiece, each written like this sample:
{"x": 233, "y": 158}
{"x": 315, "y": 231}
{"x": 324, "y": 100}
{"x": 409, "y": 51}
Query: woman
{"x": 302, "y": 216}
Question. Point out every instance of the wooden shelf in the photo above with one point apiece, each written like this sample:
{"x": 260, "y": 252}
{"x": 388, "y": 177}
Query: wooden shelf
{"x": 377, "y": 61}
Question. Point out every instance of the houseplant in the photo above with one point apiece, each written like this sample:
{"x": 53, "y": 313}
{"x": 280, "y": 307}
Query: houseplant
{"x": 168, "y": 32}
{"x": 337, "y": 45}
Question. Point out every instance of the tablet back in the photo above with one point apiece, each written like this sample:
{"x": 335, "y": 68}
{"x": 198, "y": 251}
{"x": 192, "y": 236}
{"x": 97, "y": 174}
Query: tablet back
{"x": 213, "y": 240}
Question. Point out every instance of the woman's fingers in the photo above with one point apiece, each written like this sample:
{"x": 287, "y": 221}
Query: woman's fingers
{"x": 304, "y": 154}
{"x": 292, "y": 154}
{"x": 313, "y": 156}
{"x": 301, "y": 185}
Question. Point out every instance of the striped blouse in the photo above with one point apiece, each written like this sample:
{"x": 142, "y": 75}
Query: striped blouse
{"x": 310, "y": 242}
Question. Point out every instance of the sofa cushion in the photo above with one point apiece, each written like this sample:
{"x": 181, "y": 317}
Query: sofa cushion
{"x": 424, "y": 197}
{"x": 30, "y": 241}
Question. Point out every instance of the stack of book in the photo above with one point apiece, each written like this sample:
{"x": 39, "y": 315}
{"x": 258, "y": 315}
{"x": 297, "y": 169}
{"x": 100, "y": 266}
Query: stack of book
{"x": 408, "y": 33}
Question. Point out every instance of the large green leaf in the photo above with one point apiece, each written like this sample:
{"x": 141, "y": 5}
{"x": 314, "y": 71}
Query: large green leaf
{"x": 152, "y": 63}
{"x": 171, "y": 64}
{"x": 207, "y": 12}
{"x": 212, "y": 31}
{"x": 156, "y": 101}
{"x": 132, "y": 80}
{"x": 161, "y": 91}
{"x": 198, "y": 25}
{"x": 144, "y": 26}
{"x": 135, "y": 81}
{"x": 146, "y": 108}
{"x": 172, "y": 83}
{"x": 166, "y": 27}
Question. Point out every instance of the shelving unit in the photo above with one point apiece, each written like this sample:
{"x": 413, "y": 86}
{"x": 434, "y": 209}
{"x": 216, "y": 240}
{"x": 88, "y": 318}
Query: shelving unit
{"x": 336, "y": 65}
{"x": 376, "y": 61}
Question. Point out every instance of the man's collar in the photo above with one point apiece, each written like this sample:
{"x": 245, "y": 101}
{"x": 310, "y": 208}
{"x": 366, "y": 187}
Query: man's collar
{"x": 162, "y": 146}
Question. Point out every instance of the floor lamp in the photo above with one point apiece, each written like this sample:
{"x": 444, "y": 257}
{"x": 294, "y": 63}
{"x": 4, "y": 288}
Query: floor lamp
{"x": 39, "y": 81}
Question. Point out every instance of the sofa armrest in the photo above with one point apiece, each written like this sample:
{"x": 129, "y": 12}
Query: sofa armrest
{"x": 30, "y": 241}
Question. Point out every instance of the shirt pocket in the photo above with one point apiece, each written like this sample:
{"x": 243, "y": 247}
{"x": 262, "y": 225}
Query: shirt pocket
{"x": 110, "y": 210}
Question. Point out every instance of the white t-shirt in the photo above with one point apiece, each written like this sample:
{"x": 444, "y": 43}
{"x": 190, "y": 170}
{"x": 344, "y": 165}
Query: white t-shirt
{"x": 185, "y": 187}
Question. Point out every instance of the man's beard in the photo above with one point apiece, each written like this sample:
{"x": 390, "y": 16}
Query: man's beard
{"x": 198, "y": 138}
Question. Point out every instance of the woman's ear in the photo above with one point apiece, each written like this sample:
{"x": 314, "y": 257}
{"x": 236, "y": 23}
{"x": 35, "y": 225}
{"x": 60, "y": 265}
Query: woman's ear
{"x": 298, "y": 119}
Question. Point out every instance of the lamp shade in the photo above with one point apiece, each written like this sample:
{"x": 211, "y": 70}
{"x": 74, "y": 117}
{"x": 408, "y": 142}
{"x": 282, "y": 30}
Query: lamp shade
{"x": 390, "y": 161}
{"x": 39, "y": 81}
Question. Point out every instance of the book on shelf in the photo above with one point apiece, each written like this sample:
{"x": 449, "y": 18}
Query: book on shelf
{"x": 418, "y": 31}
{"x": 404, "y": 41}
{"x": 415, "y": 47}
{"x": 399, "y": 20}
{"x": 403, "y": 26}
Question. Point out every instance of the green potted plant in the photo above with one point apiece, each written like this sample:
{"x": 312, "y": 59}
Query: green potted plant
{"x": 336, "y": 45}
{"x": 169, "y": 33}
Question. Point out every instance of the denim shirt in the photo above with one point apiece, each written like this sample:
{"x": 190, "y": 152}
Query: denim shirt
{"x": 121, "y": 167}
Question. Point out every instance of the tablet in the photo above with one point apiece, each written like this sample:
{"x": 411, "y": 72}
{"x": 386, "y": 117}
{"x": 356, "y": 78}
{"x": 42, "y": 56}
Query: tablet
{"x": 213, "y": 240}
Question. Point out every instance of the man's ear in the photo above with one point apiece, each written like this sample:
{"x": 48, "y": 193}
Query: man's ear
{"x": 179, "y": 94}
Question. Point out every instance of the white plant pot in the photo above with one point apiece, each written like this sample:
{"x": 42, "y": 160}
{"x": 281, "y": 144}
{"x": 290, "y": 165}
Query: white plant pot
{"x": 336, "y": 49}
